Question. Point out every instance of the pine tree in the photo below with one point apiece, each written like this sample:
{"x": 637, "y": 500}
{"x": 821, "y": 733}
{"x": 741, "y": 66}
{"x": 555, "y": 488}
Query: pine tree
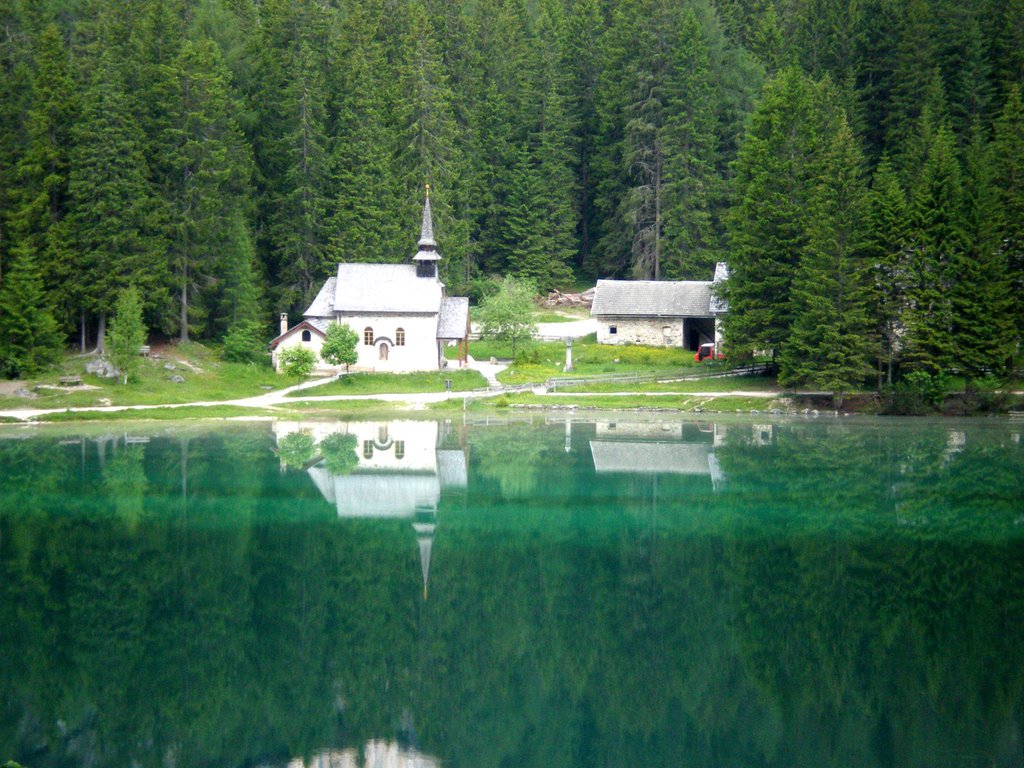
{"x": 1008, "y": 151}
{"x": 29, "y": 338}
{"x": 936, "y": 240}
{"x": 830, "y": 342}
{"x": 778, "y": 164}
{"x": 111, "y": 221}
{"x": 887, "y": 250}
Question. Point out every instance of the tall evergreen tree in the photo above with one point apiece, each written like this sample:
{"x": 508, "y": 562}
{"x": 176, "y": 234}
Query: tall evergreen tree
{"x": 936, "y": 240}
{"x": 887, "y": 249}
{"x": 830, "y": 342}
{"x": 1008, "y": 151}
{"x": 29, "y": 338}
{"x": 776, "y": 169}
{"x": 111, "y": 209}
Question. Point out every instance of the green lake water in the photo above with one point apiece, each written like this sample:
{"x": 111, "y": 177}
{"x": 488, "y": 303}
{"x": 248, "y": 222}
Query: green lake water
{"x": 598, "y": 591}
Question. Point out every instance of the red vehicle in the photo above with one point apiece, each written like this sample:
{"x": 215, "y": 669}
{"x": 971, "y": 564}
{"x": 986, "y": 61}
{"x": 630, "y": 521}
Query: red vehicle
{"x": 708, "y": 352}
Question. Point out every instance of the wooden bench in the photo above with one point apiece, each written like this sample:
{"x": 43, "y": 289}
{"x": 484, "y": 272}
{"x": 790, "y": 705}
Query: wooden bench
{"x": 70, "y": 381}
{"x": 144, "y": 350}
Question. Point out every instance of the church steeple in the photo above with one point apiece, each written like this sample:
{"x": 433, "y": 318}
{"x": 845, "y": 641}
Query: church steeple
{"x": 427, "y": 257}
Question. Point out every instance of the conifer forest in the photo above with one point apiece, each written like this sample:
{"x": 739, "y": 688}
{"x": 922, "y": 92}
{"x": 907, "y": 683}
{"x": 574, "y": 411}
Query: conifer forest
{"x": 859, "y": 164}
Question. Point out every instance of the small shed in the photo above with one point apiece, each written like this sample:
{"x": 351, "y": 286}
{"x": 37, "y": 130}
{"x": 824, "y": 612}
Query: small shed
{"x": 661, "y": 313}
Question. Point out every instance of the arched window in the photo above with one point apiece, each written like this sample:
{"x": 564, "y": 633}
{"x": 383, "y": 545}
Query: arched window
{"x": 400, "y": 337}
{"x": 307, "y": 336}
{"x": 368, "y": 336}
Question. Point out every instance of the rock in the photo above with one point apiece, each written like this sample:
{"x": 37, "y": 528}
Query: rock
{"x": 102, "y": 368}
{"x": 178, "y": 379}
{"x": 169, "y": 366}
{"x": 22, "y": 392}
{"x": 493, "y": 360}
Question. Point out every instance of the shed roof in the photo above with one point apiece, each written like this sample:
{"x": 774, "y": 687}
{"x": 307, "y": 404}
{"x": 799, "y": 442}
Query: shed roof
{"x": 652, "y": 298}
{"x": 454, "y": 319}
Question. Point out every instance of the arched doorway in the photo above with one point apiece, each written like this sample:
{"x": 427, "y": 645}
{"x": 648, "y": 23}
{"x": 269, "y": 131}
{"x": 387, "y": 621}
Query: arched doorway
{"x": 383, "y": 352}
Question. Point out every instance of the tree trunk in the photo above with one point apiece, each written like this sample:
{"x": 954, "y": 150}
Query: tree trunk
{"x": 101, "y": 335}
{"x": 183, "y": 335}
{"x": 81, "y": 332}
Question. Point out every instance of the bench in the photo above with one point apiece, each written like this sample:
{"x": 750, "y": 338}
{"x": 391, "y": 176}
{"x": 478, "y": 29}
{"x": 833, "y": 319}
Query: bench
{"x": 70, "y": 381}
{"x": 144, "y": 350}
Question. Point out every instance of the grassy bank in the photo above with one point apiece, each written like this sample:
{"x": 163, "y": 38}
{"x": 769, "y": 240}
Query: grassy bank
{"x": 396, "y": 383}
{"x": 206, "y": 377}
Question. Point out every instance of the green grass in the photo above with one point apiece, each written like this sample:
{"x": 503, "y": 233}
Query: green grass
{"x": 159, "y": 414}
{"x": 682, "y": 402}
{"x": 730, "y": 384}
{"x": 305, "y": 407}
{"x": 218, "y": 380}
{"x": 397, "y": 383}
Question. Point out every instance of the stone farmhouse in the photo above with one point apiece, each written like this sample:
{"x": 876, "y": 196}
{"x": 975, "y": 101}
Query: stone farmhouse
{"x": 681, "y": 313}
{"x": 399, "y": 311}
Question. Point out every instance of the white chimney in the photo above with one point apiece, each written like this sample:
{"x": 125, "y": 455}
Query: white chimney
{"x": 284, "y": 323}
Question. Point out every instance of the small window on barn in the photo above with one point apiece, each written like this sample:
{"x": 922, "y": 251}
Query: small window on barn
{"x": 613, "y": 329}
{"x": 368, "y": 336}
{"x": 307, "y": 336}
{"x": 667, "y": 330}
{"x": 367, "y": 449}
{"x": 400, "y": 337}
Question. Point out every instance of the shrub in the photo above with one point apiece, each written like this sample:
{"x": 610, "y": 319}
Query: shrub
{"x": 297, "y": 361}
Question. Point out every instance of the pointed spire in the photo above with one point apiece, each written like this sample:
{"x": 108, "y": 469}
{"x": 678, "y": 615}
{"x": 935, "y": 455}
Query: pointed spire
{"x": 427, "y": 241}
{"x": 425, "y": 539}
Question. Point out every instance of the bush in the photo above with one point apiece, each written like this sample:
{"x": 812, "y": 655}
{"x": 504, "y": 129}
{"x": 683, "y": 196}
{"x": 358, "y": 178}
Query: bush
{"x": 916, "y": 394}
{"x": 244, "y": 343}
{"x": 297, "y": 361}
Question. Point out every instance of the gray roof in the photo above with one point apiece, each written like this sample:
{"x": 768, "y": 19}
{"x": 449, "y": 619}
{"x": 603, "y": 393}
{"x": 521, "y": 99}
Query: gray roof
{"x": 652, "y": 298}
{"x": 383, "y": 288}
{"x": 323, "y": 304}
{"x": 454, "y": 318}
{"x": 652, "y": 458}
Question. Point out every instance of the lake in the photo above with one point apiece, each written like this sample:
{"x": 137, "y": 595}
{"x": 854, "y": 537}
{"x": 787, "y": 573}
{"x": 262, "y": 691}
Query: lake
{"x": 597, "y": 590}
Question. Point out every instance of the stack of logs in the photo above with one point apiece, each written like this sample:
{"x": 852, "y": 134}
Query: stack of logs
{"x": 559, "y": 299}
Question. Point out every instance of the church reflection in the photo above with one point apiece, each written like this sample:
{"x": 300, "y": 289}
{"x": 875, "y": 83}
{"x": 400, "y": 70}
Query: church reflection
{"x": 400, "y": 470}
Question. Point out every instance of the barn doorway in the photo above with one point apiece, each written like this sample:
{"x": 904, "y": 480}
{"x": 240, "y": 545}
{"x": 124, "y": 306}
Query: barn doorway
{"x": 697, "y": 331}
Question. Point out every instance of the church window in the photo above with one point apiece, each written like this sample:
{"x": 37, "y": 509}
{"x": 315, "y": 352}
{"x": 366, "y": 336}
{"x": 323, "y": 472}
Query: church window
{"x": 399, "y": 449}
{"x": 307, "y": 336}
{"x": 368, "y": 336}
{"x": 367, "y": 449}
{"x": 400, "y": 337}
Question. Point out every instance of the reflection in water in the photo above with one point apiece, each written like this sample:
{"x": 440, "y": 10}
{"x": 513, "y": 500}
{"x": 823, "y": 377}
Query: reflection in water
{"x": 627, "y": 592}
{"x": 399, "y": 471}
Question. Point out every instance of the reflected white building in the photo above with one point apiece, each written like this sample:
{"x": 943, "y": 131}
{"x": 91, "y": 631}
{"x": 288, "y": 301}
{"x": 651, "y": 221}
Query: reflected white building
{"x": 401, "y": 473}
{"x": 376, "y": 754}
{"x": 665, "y": 448}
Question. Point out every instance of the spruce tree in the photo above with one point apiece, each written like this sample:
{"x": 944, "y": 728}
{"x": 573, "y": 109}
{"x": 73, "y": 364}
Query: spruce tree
{"x": 1008, "y": 151}
{"x": 830, "y": 342}
{"x": 936, "y": 240}
{"x": 111, "y": 220}
{"x": 775, "y": 172}
{"x": 29, "y": 338}
{"x": 887, "y": 250}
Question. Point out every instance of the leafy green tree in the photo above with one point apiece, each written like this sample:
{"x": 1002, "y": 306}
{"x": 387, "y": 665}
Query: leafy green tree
{"x": 1008, "y": 152}
{"x": 340, "y": 345}
{"x": 297, "y": 362}
{"x": 297, "y": 448}
{"x": 830, "y": 342}
{"x": 127, "y": 333}
{"x": 29, "y": 338}
{"x": 507, "y": 315}
{"x": 339, "y": 452}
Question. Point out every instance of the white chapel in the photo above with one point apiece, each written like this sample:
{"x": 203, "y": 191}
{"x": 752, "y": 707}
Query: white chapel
{"x": 399, "y": 311}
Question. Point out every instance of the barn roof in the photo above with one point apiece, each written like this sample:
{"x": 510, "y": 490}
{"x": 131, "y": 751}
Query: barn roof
{"x": 652, "y": 298}
{"x": 651, "y": 458}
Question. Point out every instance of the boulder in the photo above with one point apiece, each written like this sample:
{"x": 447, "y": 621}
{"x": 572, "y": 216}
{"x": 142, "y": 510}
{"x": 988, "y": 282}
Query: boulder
{"x": 169, "y": 366}
{"x": 102, "y": 368}
{"x": 178, "y": 379}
